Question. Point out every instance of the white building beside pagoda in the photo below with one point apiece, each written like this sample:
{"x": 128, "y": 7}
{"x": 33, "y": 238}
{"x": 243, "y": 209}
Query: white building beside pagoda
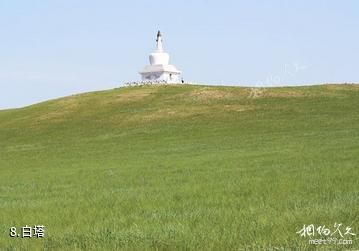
{"x": 159, "y": 69}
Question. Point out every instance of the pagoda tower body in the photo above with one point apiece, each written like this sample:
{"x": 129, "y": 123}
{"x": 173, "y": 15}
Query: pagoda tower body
{"x": 159, "y": 69}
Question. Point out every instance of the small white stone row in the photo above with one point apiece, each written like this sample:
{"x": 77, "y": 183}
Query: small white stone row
{"x": 150, "y": 82}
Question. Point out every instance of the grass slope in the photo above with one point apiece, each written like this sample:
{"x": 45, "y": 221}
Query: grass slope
{"x": 181, "y": 167}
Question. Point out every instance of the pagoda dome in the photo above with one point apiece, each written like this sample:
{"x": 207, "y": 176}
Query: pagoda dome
{"x": 159, "y": 58}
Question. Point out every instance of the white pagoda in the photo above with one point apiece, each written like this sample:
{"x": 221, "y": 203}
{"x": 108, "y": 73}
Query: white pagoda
{"x": 159, "y": 69}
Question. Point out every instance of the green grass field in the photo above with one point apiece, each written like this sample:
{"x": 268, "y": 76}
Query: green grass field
{"x": 181, "y": 168}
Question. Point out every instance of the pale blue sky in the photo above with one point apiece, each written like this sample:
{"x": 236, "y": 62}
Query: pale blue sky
{"x": 56, "y": 48}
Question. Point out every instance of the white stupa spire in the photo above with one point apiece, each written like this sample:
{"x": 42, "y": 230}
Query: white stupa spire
{"x": 159, "y": 57}
{"x": 159, "y": 42}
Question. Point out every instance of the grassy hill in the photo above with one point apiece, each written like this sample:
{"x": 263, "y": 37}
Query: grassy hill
{"x": 181, "y": 167}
